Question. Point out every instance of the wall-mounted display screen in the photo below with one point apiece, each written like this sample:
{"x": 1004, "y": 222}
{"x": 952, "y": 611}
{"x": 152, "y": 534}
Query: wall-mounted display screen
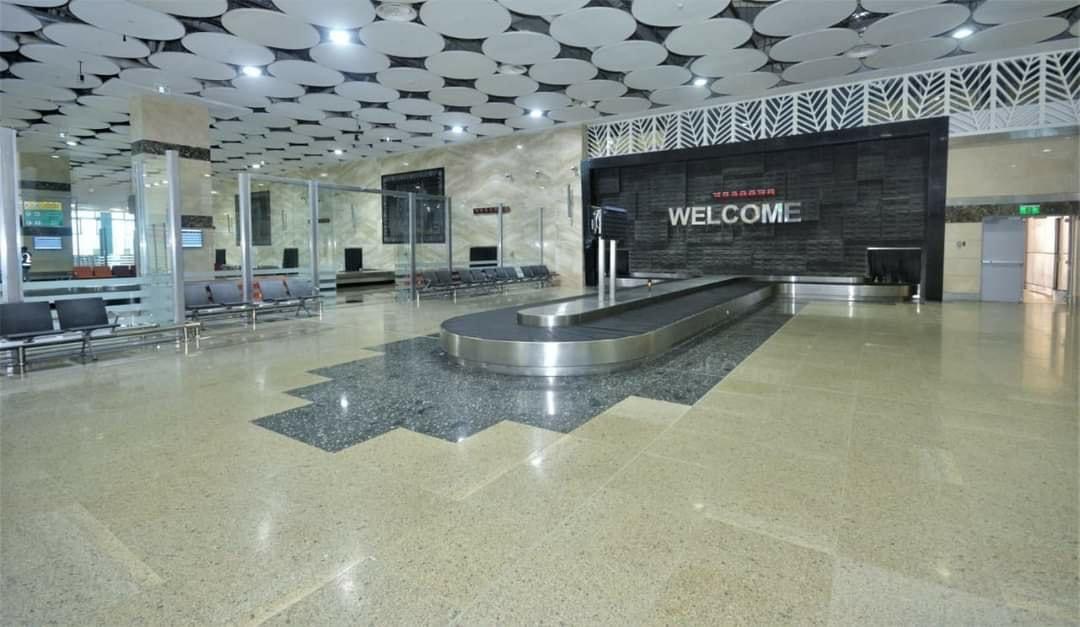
{"x": 430, "y": 212}
{"x": 48, "y": 243}
{"x": 191, "y": 238}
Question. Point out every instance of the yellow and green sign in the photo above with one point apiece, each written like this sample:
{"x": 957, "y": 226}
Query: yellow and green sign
{"x": 43, "y": 213}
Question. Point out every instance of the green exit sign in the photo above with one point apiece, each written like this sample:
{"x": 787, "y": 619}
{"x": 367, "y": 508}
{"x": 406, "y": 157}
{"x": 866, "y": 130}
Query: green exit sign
{"x": 1029, "y": 210}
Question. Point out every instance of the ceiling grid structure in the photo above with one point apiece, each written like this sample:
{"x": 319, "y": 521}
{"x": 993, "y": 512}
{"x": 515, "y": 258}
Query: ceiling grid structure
{"x": 291, "y": 82}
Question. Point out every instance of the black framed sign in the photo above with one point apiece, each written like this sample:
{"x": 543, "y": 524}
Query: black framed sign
{"x": 431, "y": 213}
{"x": 260, "y": 218}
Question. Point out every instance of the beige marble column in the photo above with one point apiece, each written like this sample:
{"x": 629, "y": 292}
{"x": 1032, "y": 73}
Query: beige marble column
{"x": 158, "y": 124}
{"x": 45, "y": 186}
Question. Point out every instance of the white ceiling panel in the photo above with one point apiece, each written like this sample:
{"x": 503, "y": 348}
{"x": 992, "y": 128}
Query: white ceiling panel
{"x": 126, "y": 18}
{"x": 669, "y": 13}
{"x": 270, "y": 28}
{"x": 334, "y": 14}
{"x": 69, "y": 57}
{"x": 465, "y": 19}
{"x": 593, "y": 27}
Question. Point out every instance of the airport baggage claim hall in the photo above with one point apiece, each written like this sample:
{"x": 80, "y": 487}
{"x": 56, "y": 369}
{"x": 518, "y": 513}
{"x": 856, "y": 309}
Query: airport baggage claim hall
{"x": 515, "y": 312}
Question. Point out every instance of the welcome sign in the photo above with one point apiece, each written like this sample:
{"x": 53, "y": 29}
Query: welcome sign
{"x": 748, "y": 213}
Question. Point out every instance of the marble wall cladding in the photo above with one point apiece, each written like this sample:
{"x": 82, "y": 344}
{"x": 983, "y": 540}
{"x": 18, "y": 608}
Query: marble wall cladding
{"x": 527, "y": 173}
{"x": 194, "y": 198}
{"x": 963, "y": 255}
{"x": 41, "y": 167}
{"x": 43, "y": 178}
{"x": 1004, "y": 166}
{"x": 169, "y": 121}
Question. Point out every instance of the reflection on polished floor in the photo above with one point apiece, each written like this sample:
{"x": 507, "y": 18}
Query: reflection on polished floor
{"x": 866, "y": 465}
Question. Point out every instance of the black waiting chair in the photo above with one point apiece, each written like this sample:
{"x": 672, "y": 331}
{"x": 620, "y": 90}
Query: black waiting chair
{"x": 197, "y": 299}
{"x": 23, "y": 321}
{"x": 84, "y": 316}
{"x": 304, "y": 291}
{"x": 275, "y": 295}
{"x": 274, "y": 291}
{"x": 227, "y": 294}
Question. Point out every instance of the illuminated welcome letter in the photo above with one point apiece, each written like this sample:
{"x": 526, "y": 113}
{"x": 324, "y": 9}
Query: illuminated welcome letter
{"x": 744, "y": 214}
{"x": 793, "y": 212}
{"x": 699, "y": 216}
{"x": 679, "y": 216}
{"x": 772, "y": 215}
{"x": 728, "y": 215}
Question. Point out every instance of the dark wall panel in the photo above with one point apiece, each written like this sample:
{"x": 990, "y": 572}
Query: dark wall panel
{"x": 858, "y": 189}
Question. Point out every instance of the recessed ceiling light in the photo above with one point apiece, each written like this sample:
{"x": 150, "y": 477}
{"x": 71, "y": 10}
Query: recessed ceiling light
{"x": 700, "y": 82}
{"x": 1048, "y": 150}
{"x": 963, "y": 32}
{"x": 339, "y": 152}
{"x": 511, "y": 68}
{"x": 519, "y": 146}
{"x": 251, "y": 70}
{"x": 71, "y": 142}
{"x": 457, "y": 129}
{"x": 536, "y": 113}
{"x": 323, "y": 174}
{"x": 395, "y": 12}
{"x": 256, "y": 166}
{"x": 340, "y": 36}
{"x": 862, "y": 51}
{"x": 161, "y": 89}
{"x": 404, "y": 163}
{"x": 55, "y": 156}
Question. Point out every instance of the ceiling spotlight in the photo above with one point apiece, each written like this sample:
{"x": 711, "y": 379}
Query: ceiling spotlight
{"x": 323, "y": 174}
{"x": 55, "y": 156}
{"x": 536, "y": 113}
{"x": 63, "y": 134}
{"x": 340, "y": 36}
{"x": 395, "y": 12}
{"x": 862, "y": 51}
{"x": 963, "y": 32}
{"x": 161, "y": 89}
{"x": 339, "y": 152}
{"x": 519, "y": 146}
{"x": 256, "y": 166}
{"x": 456, "y": 129}
{"x": 251, "y": 70}
{"x": 1048, "y": 150}
{"x": 511, "y": 68}
{"x": 700, "y": 82}
{"x": 71, "y": 142}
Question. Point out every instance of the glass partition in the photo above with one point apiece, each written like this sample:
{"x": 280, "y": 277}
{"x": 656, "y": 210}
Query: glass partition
{"x": 281, "y": 231}
{"x": 432, "y": 235}
{"x": 153, "y": 259}
{"x": 351, "y": 252}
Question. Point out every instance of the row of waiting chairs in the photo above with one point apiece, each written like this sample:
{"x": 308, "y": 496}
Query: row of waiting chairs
{"x": 482, "y": 279}
{"x": 26, "y": 324}
{"x": 216, "y": 298}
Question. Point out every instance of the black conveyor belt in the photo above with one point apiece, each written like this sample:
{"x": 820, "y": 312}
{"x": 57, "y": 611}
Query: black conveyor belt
{"x": 502, "y": 325}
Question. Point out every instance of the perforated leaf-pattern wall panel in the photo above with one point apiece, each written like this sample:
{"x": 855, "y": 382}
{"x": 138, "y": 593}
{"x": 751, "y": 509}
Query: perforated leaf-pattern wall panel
{"x": 1018, "y": 93}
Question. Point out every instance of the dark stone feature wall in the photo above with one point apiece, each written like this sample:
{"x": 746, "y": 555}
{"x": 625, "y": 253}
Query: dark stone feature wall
{"x": 975, "y": 213}
{"x": 44, "y": 186}
{"x": 860, "y": 188}
{"x": 150, "y": 147}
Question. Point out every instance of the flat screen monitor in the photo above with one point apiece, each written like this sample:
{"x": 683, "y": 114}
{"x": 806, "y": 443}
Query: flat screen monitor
{"x": 483, "y": 256}
{"x": 191, "y": 238}
{"x": 48, "y": 243}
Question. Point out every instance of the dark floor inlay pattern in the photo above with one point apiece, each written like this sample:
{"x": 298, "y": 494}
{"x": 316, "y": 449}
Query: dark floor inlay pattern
{"x": 413, "y": 385}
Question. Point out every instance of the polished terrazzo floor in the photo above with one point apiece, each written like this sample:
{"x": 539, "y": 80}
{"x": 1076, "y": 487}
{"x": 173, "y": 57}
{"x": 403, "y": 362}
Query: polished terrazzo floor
{"x": 866, "y": 465}
{"x": 412, "y": 384}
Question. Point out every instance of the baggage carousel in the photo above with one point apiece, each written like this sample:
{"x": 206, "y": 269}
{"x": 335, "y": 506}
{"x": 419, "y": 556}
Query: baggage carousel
{"x": 592, "y": 334}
